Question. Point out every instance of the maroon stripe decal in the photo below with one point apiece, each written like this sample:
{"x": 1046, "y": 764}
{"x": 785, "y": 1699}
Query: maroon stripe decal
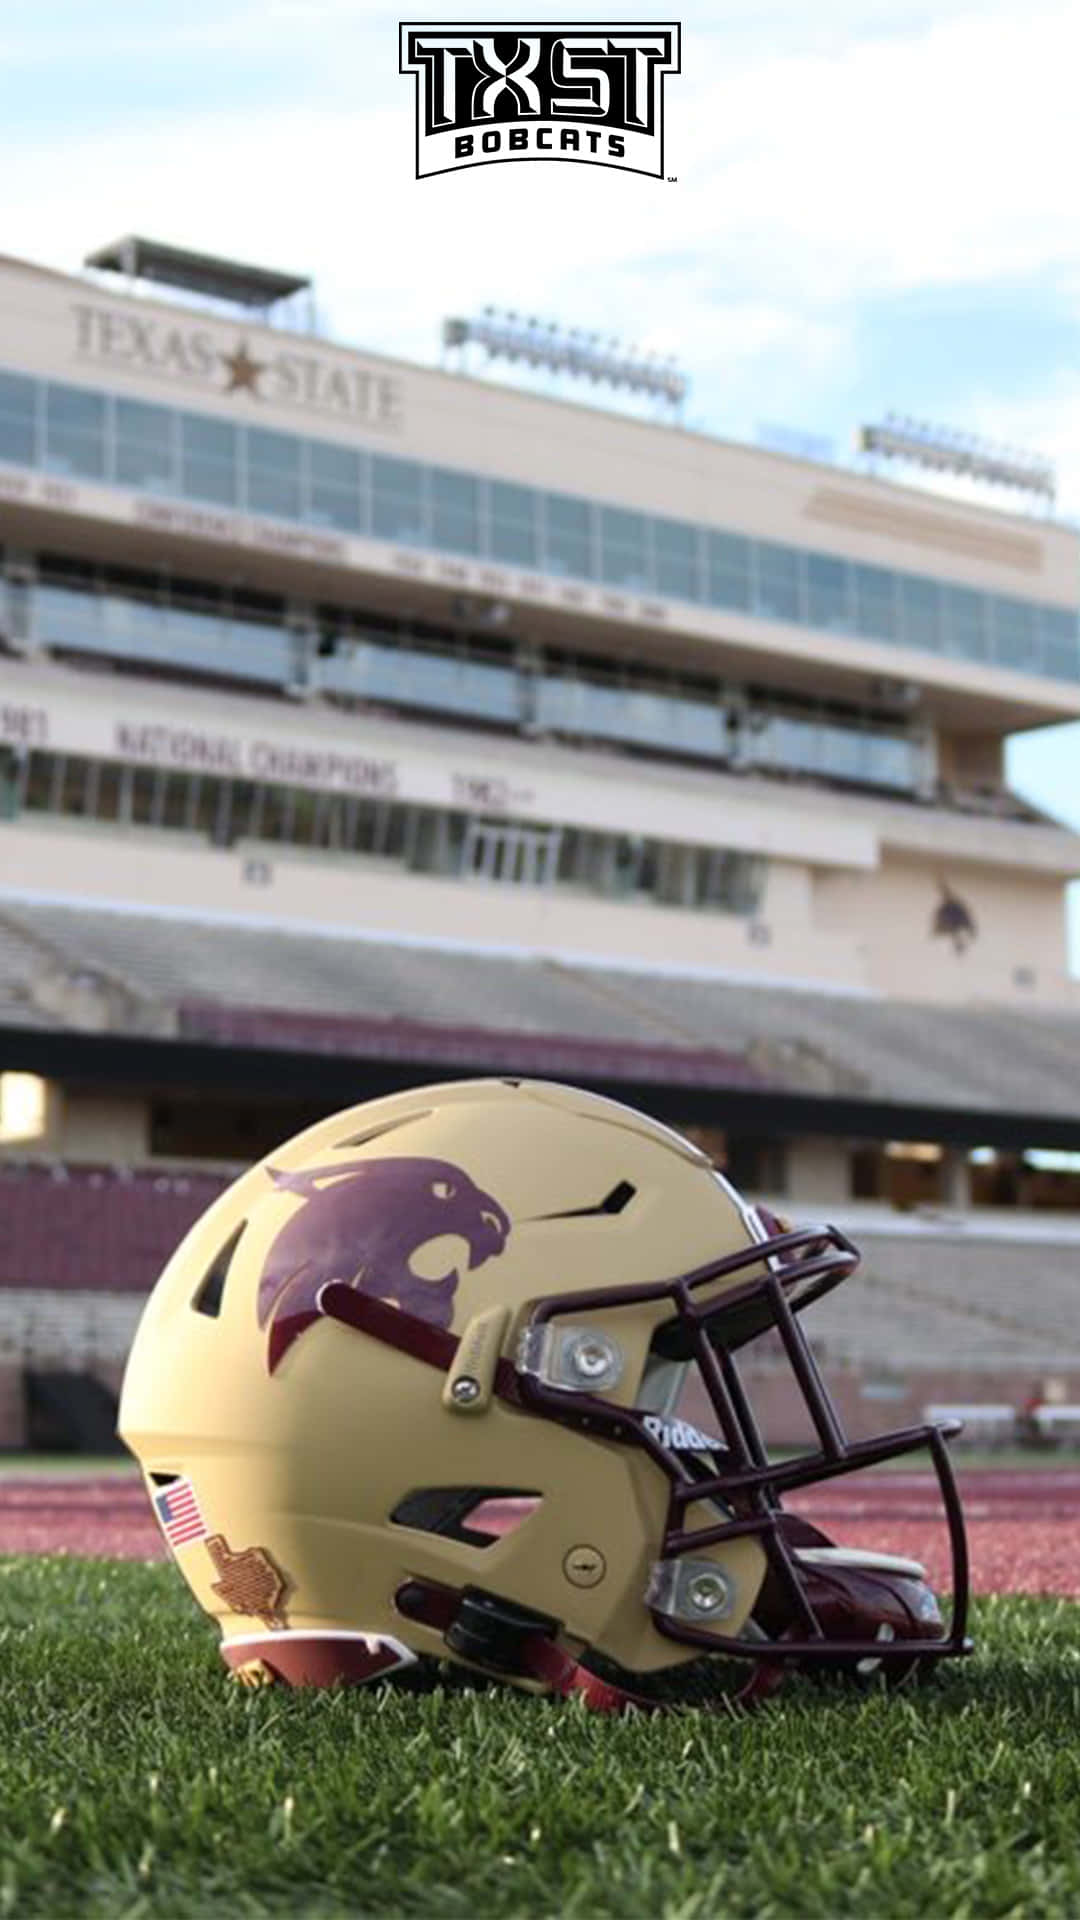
{"x": 318, "y": 1661}
{"x": 395, "y": 1328}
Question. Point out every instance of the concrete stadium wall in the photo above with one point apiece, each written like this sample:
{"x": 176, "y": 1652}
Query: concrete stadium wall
{"x": 1019, "y": 948}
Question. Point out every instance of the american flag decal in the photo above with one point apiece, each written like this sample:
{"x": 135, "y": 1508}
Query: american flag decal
{"x": 179, "y": 1513}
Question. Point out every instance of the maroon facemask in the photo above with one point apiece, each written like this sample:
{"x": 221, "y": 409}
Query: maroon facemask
{"x": 816, "y": 1615}
{"x": 814, "y": 1611}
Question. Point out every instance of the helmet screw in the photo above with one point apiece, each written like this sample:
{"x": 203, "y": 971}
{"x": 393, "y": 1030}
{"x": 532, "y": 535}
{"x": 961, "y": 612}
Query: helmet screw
{"x": 592, "y": 1357}
{"x": 465, "y": 1390}
{"x": 707, "y": 1592}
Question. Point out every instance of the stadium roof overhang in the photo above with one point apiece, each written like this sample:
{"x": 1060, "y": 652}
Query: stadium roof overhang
{"x": 677, "y": 1085}
{"x": 204, "y": 273}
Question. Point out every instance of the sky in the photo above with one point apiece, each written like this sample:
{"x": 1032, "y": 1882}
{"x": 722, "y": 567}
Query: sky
{"x": 875, "y": 206}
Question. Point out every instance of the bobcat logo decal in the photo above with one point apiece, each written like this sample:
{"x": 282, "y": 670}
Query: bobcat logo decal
{"x": 363, "y": 1224}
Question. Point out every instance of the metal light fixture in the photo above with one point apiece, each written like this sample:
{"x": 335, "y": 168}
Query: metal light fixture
{"x": 571, "y": 351}
{"x": 946, "y": 451}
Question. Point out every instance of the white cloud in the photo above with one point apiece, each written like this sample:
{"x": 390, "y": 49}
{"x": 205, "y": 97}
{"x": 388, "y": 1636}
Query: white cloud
{"x": 947, "y": 155}
{"x": 947, "y": 152}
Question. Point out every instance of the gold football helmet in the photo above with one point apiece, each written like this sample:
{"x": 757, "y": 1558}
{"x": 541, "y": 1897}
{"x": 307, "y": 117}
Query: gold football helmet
{"x": 414, "y": 1387}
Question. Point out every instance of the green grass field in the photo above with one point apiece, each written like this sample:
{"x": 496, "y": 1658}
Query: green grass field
{"x": 66, "y": 1466}
{"x": 135, "y": 1781}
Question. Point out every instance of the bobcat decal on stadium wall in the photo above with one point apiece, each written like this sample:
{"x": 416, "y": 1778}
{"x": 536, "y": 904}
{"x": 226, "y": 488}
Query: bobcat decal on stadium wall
{"x": 363, "y": 1224}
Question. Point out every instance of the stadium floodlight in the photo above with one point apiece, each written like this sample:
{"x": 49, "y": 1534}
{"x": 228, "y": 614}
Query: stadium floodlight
{"x": 943, "y": 450}
{"x": 1052, "y": 1159}
{"x": 23, "y": 1107}
{"x": 928, "y": 1151}
{"x": 569, "y": 350}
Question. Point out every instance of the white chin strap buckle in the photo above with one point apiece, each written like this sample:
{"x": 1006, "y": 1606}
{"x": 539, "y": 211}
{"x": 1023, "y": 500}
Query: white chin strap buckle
{"x": 860, "y": 1557}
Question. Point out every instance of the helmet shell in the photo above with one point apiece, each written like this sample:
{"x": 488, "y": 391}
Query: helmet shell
{"x": 463, "y": 1206}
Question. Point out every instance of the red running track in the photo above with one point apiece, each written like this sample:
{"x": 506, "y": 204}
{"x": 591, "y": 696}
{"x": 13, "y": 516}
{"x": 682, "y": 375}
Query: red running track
{"x": 1023, "y": 1527}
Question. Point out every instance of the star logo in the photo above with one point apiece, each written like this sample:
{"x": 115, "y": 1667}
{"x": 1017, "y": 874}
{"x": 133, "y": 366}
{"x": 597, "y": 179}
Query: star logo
{"x": 243, "y": 371}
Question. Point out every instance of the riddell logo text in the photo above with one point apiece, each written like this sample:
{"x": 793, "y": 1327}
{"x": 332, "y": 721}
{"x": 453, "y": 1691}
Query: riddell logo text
{"x": 498, "y": 90}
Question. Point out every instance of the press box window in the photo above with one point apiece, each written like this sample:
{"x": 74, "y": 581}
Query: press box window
{"x": 1015, "y": 634}
{"x": 1060, "y": 642}
{"x": 920, "y": 612}
{"x": 875, "y": 602}
{"x": 208, "y": 460}
{"x": 455, "y": 521}
{"x": 397, "y": 507}
{"x": 728, "y": 559}
{"x": 335, "y": 482}
{"x": 675, "y": 559}
{"x": 513, "y": 524}
{"x": 18, "y": 413}
{"x": 273, "y": 473}
{"x": 566, "y": 536}
{"x": 963, "y": 622}
{"x": 75, "y": 432}
{"x": 145, "y": 446}
{"x": 777, "y": 592}
{"x": 624, "y": 548}
{"x": 828, "y": 595}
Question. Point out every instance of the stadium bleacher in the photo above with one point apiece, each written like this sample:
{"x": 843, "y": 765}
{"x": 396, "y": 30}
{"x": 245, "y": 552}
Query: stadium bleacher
{"x": 920, "y": 1293}
{"x": 95, "y": 1229}
{"x": 982, "y": 1294}
{"x": 165, "y": 974}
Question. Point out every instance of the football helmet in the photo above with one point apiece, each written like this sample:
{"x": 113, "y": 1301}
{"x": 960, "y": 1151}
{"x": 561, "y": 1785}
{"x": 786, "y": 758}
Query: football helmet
{"x": 413, "y": 1390}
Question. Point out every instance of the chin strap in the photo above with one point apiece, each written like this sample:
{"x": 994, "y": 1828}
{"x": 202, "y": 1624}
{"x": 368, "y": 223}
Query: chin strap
{"x": 565, "y": 1676}
{"x": 504, "y": 1641}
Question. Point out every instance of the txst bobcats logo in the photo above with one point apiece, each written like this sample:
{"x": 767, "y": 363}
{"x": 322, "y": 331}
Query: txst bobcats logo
{"x": 591, "y": 91}
{"x": 364, "y": 1224}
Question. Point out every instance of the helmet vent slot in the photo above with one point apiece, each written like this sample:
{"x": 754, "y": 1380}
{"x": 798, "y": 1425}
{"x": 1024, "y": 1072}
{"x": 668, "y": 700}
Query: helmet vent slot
{"x": 614, "y": 1202}
{"x": 211, "y": 1289}
{"x": 368, "y": 1134}
{"x": 477, "y": 1516}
